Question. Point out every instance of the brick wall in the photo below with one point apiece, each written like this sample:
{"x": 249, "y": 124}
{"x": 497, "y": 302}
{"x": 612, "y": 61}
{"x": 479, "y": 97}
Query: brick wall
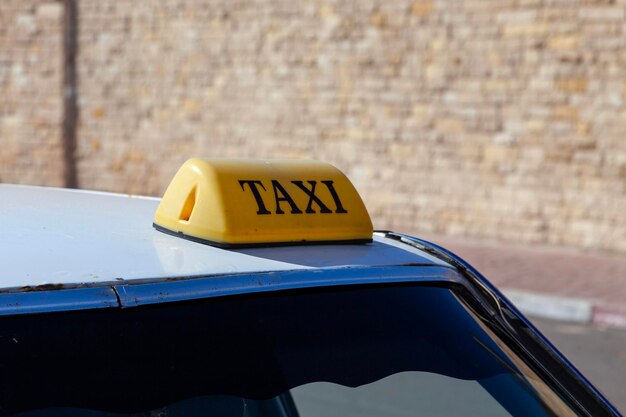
{"x": 487, "y": 118}
{"x": 31, "y": 53}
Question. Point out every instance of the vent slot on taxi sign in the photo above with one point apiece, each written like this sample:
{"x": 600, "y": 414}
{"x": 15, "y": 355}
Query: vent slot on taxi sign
{"x": 244, "y": 203}
{"x": 189, "y": 205}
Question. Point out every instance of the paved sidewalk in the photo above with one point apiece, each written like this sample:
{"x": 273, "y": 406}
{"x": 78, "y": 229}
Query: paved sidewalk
{"x": 550, "y": 282}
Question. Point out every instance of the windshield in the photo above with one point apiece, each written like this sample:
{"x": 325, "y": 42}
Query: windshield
{"x": 368, "y": 351}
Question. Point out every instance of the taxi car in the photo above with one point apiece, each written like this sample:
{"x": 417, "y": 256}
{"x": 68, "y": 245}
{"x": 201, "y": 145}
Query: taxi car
{"x": 255, "y": 288}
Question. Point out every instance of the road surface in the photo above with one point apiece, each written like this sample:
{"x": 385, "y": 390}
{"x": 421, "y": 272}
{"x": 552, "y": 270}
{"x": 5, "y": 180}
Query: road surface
{"x": 600, "y": 354}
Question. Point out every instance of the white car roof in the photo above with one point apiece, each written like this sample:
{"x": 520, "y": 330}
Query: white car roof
{"x": 64, "y": 237}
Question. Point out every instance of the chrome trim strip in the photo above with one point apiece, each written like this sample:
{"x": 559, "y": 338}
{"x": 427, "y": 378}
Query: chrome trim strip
{"x": 135, "y": 294}
{"x": 57, "y": 300}
{"x": 216, "y": 286}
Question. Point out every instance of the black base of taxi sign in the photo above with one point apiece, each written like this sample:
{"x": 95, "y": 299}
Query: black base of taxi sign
{"x": 224, "y": 245}
{"x": 251, "y": 203}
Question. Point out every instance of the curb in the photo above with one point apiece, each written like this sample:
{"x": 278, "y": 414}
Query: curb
{"x": 609, "y": 317}
{"x": 573, "y": 310}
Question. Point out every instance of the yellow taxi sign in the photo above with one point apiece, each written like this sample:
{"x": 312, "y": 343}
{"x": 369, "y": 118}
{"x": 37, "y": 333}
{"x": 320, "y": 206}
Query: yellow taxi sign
{"x": 234, "y": 203}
